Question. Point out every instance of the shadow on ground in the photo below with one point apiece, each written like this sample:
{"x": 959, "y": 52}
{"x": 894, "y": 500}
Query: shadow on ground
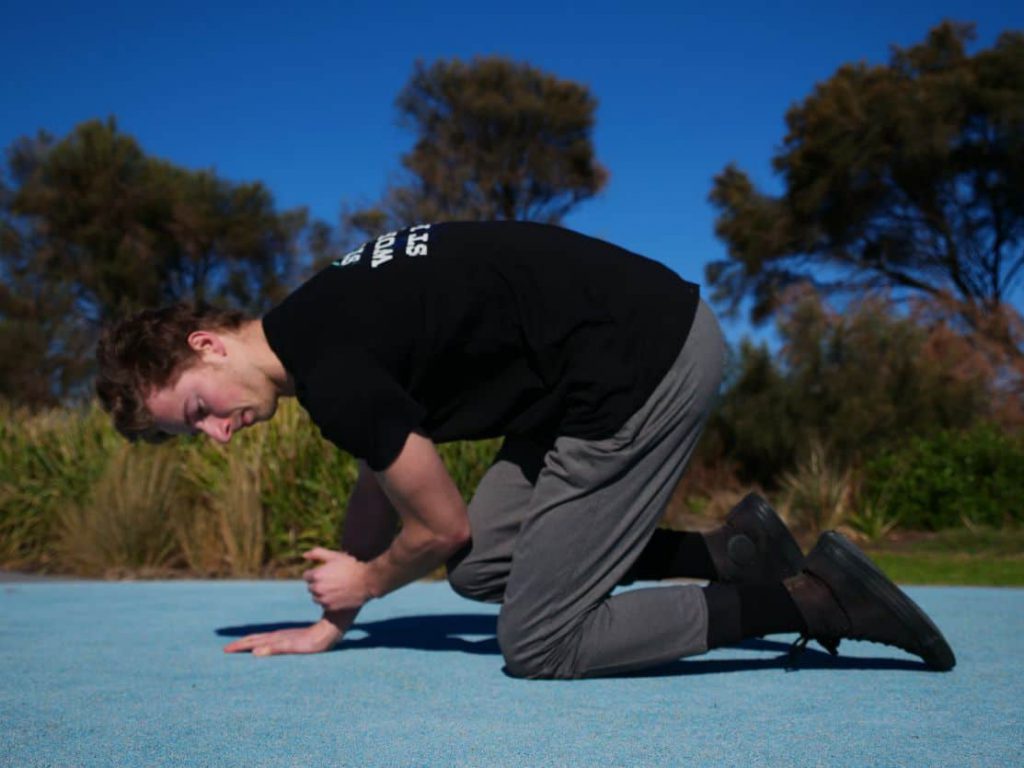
{"x": 435, "y": 632}
{"x": 448, "y": 632}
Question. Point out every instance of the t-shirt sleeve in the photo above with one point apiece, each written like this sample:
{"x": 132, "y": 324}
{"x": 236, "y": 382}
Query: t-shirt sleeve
{"x": 359, "y": 407}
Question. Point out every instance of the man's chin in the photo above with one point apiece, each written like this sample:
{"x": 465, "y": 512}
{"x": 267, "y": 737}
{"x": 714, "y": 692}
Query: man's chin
{"x": 250, "y": 416}
{"x": 268, "y": 415}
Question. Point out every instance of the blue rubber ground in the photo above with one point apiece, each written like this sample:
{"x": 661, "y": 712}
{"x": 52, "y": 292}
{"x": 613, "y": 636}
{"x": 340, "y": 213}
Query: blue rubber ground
{"x": 132, "y": 674}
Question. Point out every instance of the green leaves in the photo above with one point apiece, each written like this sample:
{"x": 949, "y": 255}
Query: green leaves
{"x": 75, "y": 497}
{"x": 495, "y": 139}
{"x": 92, "y": 227}
{"x": 952, "y": 478}
{"x": 909, "y": 175}
{"x": 856, "y": 382}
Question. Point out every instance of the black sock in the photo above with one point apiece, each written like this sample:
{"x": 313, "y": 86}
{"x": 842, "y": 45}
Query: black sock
{"x": 673, "y": 554}
{"x": 736, "y": 612}
{"x": 725, "y": 626}
{"x": 767, "y": 609}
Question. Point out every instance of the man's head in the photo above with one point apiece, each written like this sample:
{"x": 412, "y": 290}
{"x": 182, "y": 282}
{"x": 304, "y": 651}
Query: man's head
{"x": 187, "y": 368}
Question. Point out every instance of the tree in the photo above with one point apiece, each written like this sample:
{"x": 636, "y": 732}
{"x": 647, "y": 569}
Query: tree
{"x": 41, "y": 354}
{"x": 855, "y": 383}
{"x": 128, "y": 230}
{"x": 91, "y": 227}
{"x": 495, "y": 140}
{"x": 908, "y": 176}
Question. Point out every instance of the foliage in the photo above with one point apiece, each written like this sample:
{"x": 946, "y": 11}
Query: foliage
{"x": 75, "y": 497}
{"x": 122, "y": 525}
{"x": 91, "y": 227}
{"x": 909, "y": 175}
{"x": 853, "y": 382}
{"x": 872, "y": 520}
{"x": 495, "y": 139}
{"x": 818, "y": 495}
{"x": 48, "y": 462}
{"x": 304, "y": 483}
{"x": 467, "y": 462}
{"x": 952, "y": 478}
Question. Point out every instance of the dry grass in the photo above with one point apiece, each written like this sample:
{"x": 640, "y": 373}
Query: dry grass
{"x": 124, "y": 524}
{"x": 817, "y": 495}
{"x": 240, "y": 518}
{"x": 222, "y": 532}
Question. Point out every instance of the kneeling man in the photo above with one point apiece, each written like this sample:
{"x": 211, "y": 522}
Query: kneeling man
{"x": 599, "y": 368}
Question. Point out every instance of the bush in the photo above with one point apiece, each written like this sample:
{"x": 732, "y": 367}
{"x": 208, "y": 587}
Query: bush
{"x": 49, "y": 462}
{"x": 75, "y": 497}
{"x": 857, "y": 382}
{"x": 123, "y": 524}
{"x": 952, "y": 478}
{"x": 817, "y": 495}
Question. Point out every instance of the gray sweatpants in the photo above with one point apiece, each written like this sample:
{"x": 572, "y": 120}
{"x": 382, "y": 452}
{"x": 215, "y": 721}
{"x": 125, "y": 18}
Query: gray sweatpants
{"x": 556, "y": 527}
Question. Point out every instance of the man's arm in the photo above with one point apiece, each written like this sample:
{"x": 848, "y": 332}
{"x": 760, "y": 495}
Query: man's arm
{"x": 435, "y": 525}
{"x": 371, "y": 519}
{"x": 370, "y": 523}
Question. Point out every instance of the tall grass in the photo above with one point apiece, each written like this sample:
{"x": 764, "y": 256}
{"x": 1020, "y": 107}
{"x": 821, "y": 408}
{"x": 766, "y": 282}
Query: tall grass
{"x": 75, "y": 497}
{"x": 123, "y": 524}
{"x": 49, "y": 462}
{"x": 818, "y": 494}
{"x": 219, "y": 529}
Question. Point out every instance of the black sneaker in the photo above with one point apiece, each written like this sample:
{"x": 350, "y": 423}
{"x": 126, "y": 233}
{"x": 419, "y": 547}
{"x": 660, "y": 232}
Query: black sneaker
{"x": 754, "y": 545}
{"x": 842, "y": 594}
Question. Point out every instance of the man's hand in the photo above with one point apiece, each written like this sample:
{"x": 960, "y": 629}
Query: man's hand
{"x": 338, "y": 584}
{"x": 312, "y": 639}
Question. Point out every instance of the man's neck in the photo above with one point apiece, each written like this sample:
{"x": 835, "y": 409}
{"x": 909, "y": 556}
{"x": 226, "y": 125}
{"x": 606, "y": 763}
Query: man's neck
{"x": 265, "y": 359}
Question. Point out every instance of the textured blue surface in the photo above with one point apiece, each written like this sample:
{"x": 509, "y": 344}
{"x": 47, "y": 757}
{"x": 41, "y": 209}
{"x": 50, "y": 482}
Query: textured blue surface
{"x": 98, "y": 674}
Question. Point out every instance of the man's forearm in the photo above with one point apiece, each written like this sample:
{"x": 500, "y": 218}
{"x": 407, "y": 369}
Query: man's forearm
{"x": 413, "y": 554}
{"x": 435, "y": 524}
{"x": 370, "y": 525}
{"x": 370, "y": 520}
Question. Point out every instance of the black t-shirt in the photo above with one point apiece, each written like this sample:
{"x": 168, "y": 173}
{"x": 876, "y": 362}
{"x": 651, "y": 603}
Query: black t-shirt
{"x": 475, "y": 330}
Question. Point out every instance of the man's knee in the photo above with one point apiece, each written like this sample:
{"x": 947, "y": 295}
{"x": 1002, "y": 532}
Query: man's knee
{"x": 473, "y": 580}
{"x": 531, "y": 656}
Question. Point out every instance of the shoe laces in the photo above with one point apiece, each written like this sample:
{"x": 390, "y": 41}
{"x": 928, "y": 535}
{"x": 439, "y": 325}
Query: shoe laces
{"x": 796, "y": 650}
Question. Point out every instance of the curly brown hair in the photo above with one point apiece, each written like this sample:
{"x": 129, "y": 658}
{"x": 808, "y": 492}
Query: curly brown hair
{"x": 148, "y": 351}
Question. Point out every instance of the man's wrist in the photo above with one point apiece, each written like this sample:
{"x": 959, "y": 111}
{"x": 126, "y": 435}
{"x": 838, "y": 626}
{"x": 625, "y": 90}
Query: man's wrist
{"x": 335, "y": 623}
{"x": 373, "y": 583}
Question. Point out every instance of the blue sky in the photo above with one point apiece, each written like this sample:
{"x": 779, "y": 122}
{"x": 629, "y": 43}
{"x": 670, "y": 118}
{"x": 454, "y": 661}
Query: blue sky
{"x": 301, "y": 95}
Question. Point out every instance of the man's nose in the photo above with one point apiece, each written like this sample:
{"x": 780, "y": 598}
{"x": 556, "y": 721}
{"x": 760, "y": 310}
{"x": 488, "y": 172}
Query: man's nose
{"x": 218, "y": 429}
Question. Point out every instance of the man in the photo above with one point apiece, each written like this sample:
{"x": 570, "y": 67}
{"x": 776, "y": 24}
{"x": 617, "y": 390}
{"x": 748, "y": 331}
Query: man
{"x": 598, "y": 366}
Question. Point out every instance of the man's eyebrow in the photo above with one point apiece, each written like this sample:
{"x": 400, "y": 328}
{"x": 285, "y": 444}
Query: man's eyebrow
{"x": 184, "y": 411}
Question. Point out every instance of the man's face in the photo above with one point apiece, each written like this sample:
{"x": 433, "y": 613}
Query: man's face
{"x": 217, "y": 396}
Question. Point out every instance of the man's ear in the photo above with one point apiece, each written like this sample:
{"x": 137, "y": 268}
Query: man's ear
{"x": 207, "y": 342}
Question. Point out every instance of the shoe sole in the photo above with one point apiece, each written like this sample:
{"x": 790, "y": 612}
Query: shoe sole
{"x": 934, "y": 649}
{"x": 770, "y": 521}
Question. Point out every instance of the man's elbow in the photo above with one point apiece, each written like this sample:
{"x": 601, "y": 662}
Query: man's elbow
{"x": 454, "y": 539}
{"x": 440, "y": 541}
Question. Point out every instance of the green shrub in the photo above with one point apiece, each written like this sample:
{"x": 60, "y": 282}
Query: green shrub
{"x": 467, "y": 462}
{"x": 123, "y": 524}
{"x": 49, "y": 463}
{"x": 857, "y": 381}
{"x": 952, "y": 478}
{"x": 75, "y": 497}
{"x": 818, "y": 494}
